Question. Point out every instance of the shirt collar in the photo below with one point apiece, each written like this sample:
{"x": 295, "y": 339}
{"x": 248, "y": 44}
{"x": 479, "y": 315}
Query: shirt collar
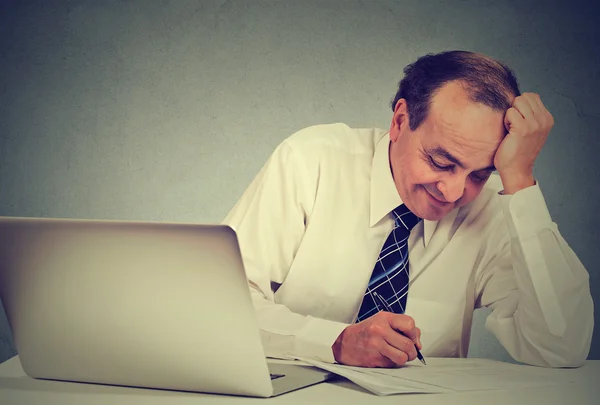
{"x": 384, "y": 195}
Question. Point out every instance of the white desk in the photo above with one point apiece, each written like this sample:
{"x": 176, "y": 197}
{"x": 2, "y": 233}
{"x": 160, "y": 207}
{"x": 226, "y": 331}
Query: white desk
{"x": 16, "y": 388}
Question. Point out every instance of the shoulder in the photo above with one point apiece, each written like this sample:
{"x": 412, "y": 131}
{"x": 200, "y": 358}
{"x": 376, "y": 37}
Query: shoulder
{"x": 336, "y": 139}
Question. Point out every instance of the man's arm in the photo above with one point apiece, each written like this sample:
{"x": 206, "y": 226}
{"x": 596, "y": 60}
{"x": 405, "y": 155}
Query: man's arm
{"x": 269, "y": 220}
{"x": 537, "y": 288}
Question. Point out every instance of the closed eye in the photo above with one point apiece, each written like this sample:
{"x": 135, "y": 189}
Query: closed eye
{"x": 437, "y": 166}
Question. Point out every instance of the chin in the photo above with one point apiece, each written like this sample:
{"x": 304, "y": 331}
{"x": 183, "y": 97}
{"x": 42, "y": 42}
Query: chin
{"x": 434, "y": 215}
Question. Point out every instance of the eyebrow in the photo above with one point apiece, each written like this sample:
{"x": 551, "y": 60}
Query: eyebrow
{"x": 443, "y": 153}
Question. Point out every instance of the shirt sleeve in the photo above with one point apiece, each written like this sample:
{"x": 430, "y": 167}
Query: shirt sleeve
{"x": 270, "y": 220}
{"x": 537, "y": 288}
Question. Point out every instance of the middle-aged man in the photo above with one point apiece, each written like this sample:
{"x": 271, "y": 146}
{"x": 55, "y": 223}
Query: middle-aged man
{"x": 337, "y": 214}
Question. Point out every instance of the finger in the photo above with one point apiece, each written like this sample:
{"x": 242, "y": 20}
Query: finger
{"x": 405, "y": 325}
{"x": 402, "y": 323}
{"x": 417, "y": 340}
{"x": 535, "y": 102}
{"x": 395, "y": 356}
{"x": 401, "y": 343}
{"x": 513, "y": 119}
{"x": 541, "y": 112}
{"x": 523, "y": 105}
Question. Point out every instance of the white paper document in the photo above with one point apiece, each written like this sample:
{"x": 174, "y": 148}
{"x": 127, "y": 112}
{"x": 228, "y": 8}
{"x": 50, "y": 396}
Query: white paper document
{"x": 447, "y": 375}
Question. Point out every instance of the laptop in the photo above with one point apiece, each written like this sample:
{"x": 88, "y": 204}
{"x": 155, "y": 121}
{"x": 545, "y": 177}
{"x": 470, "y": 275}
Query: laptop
{"x": 141, "y": 304}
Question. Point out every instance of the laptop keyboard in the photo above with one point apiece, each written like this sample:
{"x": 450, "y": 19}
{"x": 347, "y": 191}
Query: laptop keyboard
{"x": 276, "y": 376}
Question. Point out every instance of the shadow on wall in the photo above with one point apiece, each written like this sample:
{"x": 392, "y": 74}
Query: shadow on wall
{"x": 7, "y": 346}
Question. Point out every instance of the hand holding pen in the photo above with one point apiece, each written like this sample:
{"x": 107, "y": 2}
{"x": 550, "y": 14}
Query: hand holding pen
{"x": 381, "y": 302}
{"x": 385, "y": 339}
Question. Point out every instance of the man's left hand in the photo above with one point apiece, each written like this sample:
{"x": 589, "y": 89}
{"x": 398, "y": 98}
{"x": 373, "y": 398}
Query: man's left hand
{"x": 528, "y": 124}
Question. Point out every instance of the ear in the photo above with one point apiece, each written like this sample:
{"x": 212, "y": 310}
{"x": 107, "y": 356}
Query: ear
{"x": 400, "y": 121}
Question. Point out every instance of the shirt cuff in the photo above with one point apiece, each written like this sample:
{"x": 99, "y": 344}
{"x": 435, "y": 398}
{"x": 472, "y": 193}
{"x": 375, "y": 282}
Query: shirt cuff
{"x": 526, "y": 211}
{"x": 316, "y": 338}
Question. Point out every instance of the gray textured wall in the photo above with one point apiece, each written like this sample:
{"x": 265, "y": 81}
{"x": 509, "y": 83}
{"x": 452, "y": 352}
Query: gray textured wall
{"x": 165, "y": 110}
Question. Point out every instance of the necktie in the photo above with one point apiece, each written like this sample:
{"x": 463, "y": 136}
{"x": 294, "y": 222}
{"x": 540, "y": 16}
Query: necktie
{"x": 390, "y": 275}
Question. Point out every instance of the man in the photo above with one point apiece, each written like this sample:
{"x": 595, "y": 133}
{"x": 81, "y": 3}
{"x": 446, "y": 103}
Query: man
{"x": 330, "y": 199}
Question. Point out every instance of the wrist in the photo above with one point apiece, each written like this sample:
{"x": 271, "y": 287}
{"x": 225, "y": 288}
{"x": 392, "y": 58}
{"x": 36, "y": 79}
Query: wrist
{"x": 516, "y": 181}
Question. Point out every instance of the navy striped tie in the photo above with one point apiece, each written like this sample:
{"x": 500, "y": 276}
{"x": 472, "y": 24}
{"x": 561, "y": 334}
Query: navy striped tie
{"x": 390, "y": 275}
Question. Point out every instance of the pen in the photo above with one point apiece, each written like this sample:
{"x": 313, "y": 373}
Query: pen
{"x": 387, "y": 308}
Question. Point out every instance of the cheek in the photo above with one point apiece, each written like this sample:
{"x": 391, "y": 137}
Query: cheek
{"x": 422, "y": 174}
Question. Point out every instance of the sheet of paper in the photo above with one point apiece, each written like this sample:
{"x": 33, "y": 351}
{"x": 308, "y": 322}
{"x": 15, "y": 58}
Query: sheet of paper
{"x": 447, "y": 375}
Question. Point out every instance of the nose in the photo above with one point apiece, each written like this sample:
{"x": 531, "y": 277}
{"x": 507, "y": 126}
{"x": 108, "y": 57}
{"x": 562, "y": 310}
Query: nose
{"x": 452, "y": 188}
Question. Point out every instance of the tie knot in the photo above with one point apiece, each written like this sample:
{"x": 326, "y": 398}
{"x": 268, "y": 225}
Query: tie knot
{"x": 403, "y": 216}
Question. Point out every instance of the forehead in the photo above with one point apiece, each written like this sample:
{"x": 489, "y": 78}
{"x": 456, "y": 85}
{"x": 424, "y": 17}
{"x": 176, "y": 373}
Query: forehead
{"x": 457, "y": 122}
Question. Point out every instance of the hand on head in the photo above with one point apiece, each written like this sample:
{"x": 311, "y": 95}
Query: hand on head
{"x": 383, "y": 340}
{"x": 528, "y": 123}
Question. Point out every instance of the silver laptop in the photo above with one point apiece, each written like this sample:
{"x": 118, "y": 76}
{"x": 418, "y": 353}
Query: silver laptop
{"x": 141, "y": 304}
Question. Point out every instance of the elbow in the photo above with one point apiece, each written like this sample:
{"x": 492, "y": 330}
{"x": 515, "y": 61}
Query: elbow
{"x": 573, "y": 360}
{"x": 575, "y": 353}
{"x": 562, "y": 355}
{"x": 573, "y": 349}
{"x": 554, "y": 360}
{"x": 569, "y": 351}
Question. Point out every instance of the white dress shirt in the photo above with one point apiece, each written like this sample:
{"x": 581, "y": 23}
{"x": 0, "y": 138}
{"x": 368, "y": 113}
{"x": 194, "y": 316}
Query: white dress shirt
{"x": 311, "y": 225}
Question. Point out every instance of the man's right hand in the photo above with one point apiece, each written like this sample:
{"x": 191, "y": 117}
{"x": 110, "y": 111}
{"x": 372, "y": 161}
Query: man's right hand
{"x": 376, "y": 341}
